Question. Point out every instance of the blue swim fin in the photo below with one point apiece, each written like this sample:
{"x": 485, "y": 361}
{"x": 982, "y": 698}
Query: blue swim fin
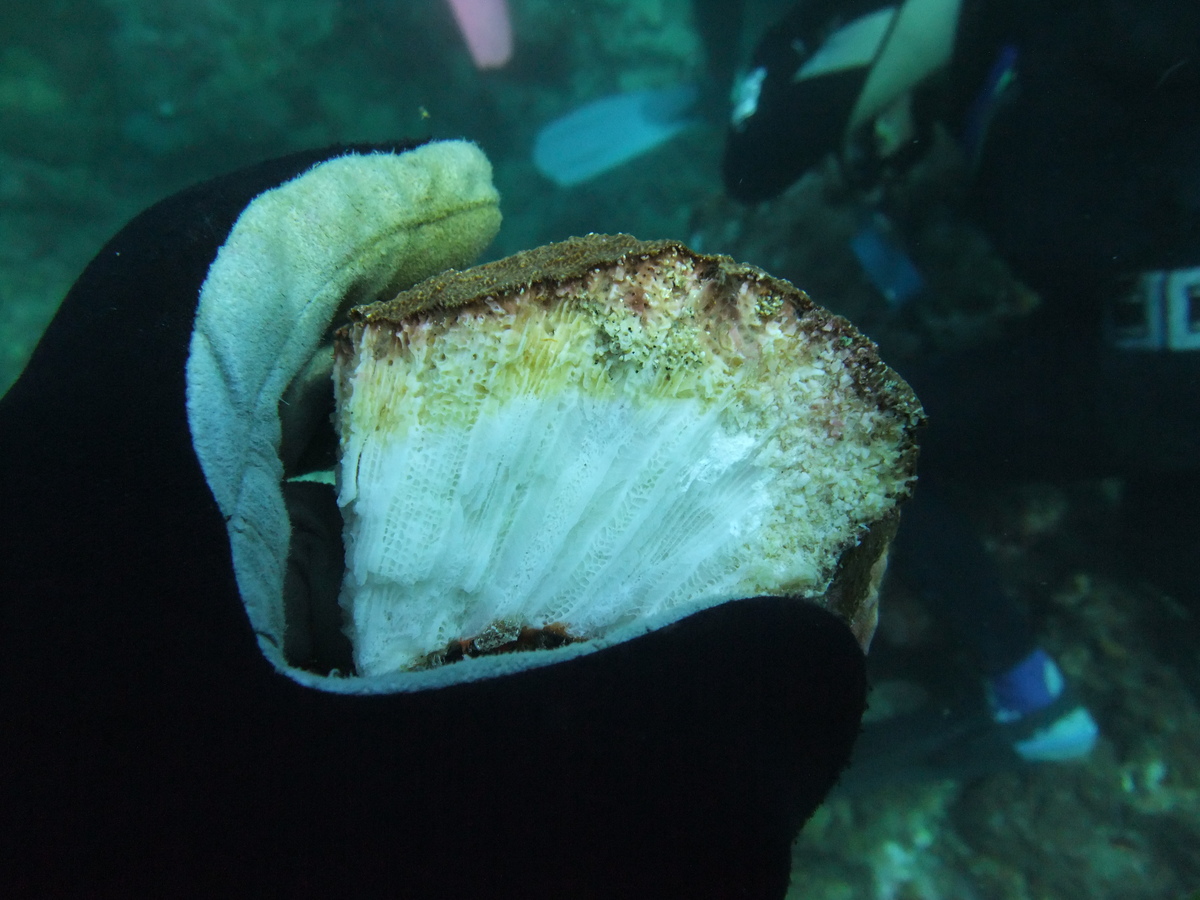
{"x": 605, "y": 133}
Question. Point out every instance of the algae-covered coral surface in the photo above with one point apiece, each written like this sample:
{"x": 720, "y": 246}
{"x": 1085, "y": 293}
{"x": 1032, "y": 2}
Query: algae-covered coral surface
{"x": 108, "y": 105}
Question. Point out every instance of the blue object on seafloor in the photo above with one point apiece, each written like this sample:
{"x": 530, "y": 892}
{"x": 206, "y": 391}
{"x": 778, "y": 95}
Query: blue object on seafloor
{"x": 886, "y": 263}
{"x": 601, "y": 135}
{"x": 1046, "y": 722}
{"x": 1032, "y": 684}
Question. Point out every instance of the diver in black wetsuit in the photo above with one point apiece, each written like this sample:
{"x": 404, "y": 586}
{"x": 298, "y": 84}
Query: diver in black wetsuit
{"x": 1081, "y": 124}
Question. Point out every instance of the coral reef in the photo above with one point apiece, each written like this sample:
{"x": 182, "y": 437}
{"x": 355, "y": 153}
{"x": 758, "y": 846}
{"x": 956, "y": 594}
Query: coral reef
{"x": 604, "y": 431}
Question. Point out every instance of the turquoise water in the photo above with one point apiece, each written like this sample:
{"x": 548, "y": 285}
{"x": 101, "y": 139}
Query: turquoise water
{"x": 109, "y": 105}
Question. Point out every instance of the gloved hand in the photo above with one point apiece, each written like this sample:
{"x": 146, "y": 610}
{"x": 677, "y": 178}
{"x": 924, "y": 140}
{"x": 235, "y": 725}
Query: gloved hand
{"x": 161, "y": 732}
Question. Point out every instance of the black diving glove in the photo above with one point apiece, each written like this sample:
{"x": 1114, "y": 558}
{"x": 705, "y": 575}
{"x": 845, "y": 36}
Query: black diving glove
{"x": 165, "y": 730}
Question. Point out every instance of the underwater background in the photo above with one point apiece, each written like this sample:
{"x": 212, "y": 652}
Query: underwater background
{"x": 109, "y": 105}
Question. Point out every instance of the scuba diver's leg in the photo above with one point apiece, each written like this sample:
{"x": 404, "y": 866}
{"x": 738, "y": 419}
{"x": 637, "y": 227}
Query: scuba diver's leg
{"x": 1030, "y": 422}
{"x": 939, "y": 555}
{"x": 941, "y": 558}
